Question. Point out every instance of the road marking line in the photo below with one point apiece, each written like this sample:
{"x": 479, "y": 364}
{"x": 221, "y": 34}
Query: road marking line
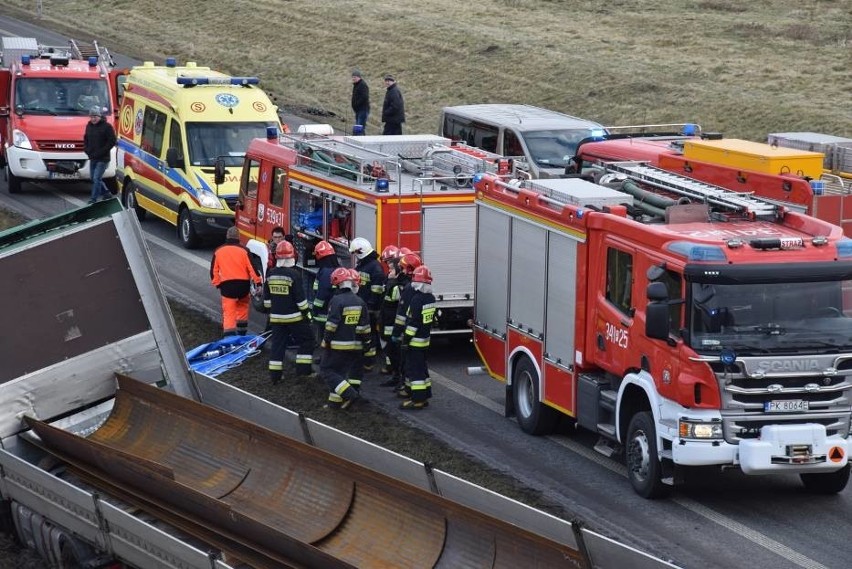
{"x": 687, "y": 503}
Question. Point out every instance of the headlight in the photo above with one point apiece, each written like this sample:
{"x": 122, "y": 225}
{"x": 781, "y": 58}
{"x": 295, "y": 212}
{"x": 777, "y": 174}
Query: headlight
{"x": 208, "y": 200}
{"x": 21, "y": 140}
{"x": 699, "y": 429}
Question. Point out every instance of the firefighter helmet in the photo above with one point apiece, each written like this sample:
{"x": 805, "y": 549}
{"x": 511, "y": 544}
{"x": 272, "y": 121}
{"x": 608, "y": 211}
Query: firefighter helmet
{"x": 422, "y": 274}
{"x": 340, "y": 275}
{"x": 360, "y": 247}
{"x": 409, "y": 262}
{"x": 323, "y": 249}
{"x": 390, "y": 253}
{"x": 285, "y": 250}
{"x": 404, "y": 251}
{"x": 356, "y": 275}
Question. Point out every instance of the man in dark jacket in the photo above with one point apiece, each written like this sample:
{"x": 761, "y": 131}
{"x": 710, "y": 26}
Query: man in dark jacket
{"x": 98, "y": 143}
{"x": 360, "y": 101}
{"x": 393, "y": 109}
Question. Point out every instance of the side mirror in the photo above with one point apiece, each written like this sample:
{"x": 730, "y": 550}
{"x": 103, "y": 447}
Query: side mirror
{"x": 219, "y": 171}
{"x": 657, "y": 321}
{"x": 173, "y": 159}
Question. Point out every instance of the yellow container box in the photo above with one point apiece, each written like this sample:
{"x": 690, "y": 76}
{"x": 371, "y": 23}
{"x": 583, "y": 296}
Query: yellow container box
{"x": 755, "y": 156}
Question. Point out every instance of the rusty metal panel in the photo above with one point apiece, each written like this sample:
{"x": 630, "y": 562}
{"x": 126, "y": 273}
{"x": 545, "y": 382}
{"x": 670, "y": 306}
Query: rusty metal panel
{"x": 274, "y": 501}
{"x": 80, "y": 295}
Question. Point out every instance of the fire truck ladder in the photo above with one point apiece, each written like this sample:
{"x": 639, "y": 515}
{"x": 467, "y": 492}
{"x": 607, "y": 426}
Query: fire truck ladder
{"x": 86, "y": 51}
{"x": 740, "y": 202}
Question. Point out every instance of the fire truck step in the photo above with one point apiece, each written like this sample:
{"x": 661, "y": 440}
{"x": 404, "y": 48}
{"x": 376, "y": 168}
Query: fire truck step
{"x": 608, "y": 399}
{"x": 607, "y": 446}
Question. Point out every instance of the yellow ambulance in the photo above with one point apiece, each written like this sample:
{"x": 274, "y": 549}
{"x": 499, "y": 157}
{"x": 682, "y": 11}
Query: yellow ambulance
{"x": 182, "y": 134}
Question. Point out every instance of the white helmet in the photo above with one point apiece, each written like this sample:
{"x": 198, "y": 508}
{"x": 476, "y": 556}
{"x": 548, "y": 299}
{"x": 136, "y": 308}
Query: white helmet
{"x": 360, "y": 247}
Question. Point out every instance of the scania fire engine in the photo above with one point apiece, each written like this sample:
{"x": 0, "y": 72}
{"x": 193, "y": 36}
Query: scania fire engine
{"x": 686, "y": 324}
{"x": 413, "y": 191}
{"x": 46, "y": 94}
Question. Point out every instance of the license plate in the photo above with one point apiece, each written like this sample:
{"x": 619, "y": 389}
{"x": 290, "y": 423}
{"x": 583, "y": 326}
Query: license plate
{"x": 61, "y": 176}
{"x": 785, "y": 406}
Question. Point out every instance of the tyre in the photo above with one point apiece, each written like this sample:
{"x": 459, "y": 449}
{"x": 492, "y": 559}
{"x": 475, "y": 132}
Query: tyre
{"x": 129, "y": 200}
{"x": 828, "y": 482}
{"x": 643, "y": 463}
{"x": 186, "y": 231}
{"x": 13, "y": 181}
{"x": 533, "y": 416}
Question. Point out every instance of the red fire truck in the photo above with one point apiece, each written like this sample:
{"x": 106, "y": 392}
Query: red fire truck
{"x": 686, "y": 324}
{"x": 412, "y": 191}
{"x": 45, "y": 97}
{"x": 799, "y": 179}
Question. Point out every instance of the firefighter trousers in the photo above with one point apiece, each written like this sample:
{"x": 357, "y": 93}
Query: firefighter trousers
{"x": 341, "y": 370}
{"x": 300, "y": 333}
{"x": 417, "y": 381}
{"x": 235, "y": 315}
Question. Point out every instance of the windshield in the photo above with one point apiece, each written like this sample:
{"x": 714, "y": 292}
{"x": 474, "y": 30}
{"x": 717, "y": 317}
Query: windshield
{"x": 50, "y": 96}
{"x": 772, "y": 318}
{"x": 210, "y": 140}
{"x": 553, "y": 148}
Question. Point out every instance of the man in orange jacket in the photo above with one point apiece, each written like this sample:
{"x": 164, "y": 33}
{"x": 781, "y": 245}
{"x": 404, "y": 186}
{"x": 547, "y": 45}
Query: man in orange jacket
{"x": 231, "y": 272}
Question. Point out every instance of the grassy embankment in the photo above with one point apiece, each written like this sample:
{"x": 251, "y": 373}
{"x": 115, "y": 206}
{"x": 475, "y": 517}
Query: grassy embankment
{"x": 743, "y": 68}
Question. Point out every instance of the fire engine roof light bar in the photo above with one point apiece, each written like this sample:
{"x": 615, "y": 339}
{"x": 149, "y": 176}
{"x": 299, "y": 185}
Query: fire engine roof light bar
{"x": 844, "y": 248}
{"x": 171, "y": 62}
{"x": 193, "y": 81}
{"x": 93, "y": 61}
{"x": 272, "y": 133}
{"x": 698, "y": 253}
{"x": 25, "y": 60}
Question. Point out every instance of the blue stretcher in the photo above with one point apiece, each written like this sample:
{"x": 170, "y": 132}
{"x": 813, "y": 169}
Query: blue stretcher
{"x": 219, "y": 356}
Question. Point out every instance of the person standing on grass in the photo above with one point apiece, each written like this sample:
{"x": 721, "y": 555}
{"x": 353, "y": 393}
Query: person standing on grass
{"x": 360, "y": 102}
{"x": 393, "y": 109}
{"x": 98, "y": 142}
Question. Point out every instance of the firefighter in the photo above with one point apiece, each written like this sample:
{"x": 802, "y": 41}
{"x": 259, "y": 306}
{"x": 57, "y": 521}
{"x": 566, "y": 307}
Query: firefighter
{"x": 289, "y": 313}
{"x": 371, "y": 289}
{"x": 322, "y": 288}
{"x": 393, "y": 287}
{"x": 420, "y": 315}
{"x": 408, "y": 263}
{"x": 232, "y": 273}
{"x": 345, "y": 340}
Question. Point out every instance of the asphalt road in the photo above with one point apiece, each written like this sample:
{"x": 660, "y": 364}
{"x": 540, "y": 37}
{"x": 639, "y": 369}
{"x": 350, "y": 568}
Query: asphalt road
{"x": 719, "y": 520}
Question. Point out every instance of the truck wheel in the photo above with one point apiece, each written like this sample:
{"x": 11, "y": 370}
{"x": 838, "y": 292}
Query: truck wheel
{"x": 643, "y": 464}
{"x": 828, "y": 482}
{"x": 186, "y": 231}
{"x": 13, "y": 181}
{"x": 533, "y": 416}
{"x": 129, "y": 199}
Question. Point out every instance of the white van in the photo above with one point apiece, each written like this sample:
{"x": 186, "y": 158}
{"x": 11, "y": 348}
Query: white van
{"x": 542, "y": 141}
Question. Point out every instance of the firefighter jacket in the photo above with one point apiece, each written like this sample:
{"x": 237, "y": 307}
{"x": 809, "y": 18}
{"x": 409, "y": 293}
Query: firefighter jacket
{"x": 323, "y": 291}
{"x": 401, "y": 318}
{"x": 420, "y": 315}
{"x": 390, "y": 301}
{"x": 284, "y": 296}
{"x": 348, "y": 323}
{"x": 372, "y": 286}
{"x": 231, "y": 270}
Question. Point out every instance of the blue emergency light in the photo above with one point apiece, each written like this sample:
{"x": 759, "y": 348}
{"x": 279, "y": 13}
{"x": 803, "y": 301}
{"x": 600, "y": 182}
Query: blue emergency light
{"x": 171, "y": 62}
{"x": 727, "y": 356}
{"x": 382, "y": 185}
{"x": 696, "y": 252}
{"x": 25, "y": 60}
{"x": 477, "y": 177}
{"x": 844, "y": 248}
{"x": 689, "y": 129}
{"x": 272, "y": 133}
{"x": 193, "y": 81}
{"x": 93, "y": 61}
